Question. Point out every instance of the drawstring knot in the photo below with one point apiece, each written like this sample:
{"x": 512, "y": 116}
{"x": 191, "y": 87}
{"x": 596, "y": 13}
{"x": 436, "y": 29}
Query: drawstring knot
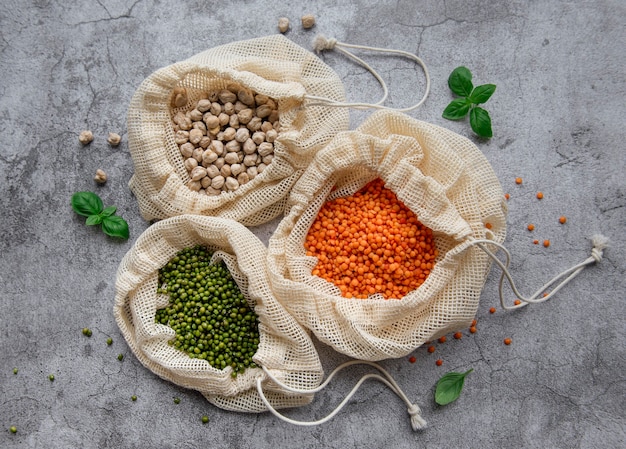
{"x": 321, "y": 43}
{"x": 600, "y": 243}
{"x": 417, "y": 422}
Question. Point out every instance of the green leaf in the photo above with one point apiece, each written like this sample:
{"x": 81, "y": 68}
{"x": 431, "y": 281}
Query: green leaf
{"x": 482, "y": 93}
{"x": 115, "y": 226}
{"x": 86, "y": 203}
{"x": 449, "y": 387}
{"x": 457, "y": 109}
{"x": 94, "y": 220}
{"x": 460, "y": 81}
{"x": 108, "y": 211}
{"x": 481, "y": 122}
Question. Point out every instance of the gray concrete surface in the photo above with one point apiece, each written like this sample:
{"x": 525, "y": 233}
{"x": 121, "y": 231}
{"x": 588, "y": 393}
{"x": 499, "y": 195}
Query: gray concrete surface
{"x": 558, "y": 117}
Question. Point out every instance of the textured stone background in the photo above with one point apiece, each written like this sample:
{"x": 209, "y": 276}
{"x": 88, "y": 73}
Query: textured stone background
{"x": 558, "y": 116}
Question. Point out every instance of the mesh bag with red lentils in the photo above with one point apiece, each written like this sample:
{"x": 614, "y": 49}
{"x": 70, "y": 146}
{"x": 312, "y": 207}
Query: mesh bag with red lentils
{"x": 375, "y": 255}
{"x": 228, "y": 131}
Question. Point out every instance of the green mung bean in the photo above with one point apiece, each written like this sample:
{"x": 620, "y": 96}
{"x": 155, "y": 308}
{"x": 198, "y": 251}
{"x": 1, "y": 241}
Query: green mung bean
{"x": 207, "y": 310}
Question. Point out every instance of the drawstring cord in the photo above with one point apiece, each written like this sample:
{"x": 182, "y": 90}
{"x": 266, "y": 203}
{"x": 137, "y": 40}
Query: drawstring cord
{"x": 417, "y": 422}
{"x": 322, "y": 43}
{"x": 599, "y": 243}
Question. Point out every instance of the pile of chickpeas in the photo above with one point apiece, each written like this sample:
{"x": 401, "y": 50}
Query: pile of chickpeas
{"x": 226, "y": 138}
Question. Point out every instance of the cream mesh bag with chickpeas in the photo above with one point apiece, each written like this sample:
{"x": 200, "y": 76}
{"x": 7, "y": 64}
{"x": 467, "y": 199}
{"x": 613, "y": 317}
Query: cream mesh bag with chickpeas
{"x": 228, "y": 131}
{"x": 285, "y": 351}
{"x": 440, "y": 176}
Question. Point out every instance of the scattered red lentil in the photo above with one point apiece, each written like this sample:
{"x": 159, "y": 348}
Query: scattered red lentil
{"x": 474, "y": 322}
{"x": 472, "y": 330}
{"x": 539, "y": 195}
{"x": 518, "y": 180}
{"x": 507, "y": 196}
{"x": 369, "y": 243}
{"x": 546, "y": 243}
{"x": 439, "y": 362}
{"x": 517, "y": 302}
{"x": 442, "y": 339}
{"x": 412, "y": 359}
{"x": 488, "y": 225}
{"x": 562, "y": 219}
{"x": 507, "y": 341}
{"x": 458, "y": 335}
{"x": 545, "y": 294}
{"x": 492, "y": 310}
{"x": 431, "y": 349}
{"x": 536, "y": 242}
{"x": 531, "y": 227}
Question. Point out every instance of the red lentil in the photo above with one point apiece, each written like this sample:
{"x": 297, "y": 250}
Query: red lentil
{"x": 369, "y": 243}
{"x": 546, "y": 243}
{"x": 531, "y": 227}
{"x": 439, "y": 362}
{"x": 431, "y": 349}
{"x": 518, "y": 180}
{"x": 442, "y": 339}
{"x": 507, "y": 341}
{"x": 562, "y": 219}
{"x": 492, "y": 310}
{"x": 472, "y": 330}
{"x": 458, "y": 335}
{"x": 539, "y": 195}
{"x": 412, "y": 359}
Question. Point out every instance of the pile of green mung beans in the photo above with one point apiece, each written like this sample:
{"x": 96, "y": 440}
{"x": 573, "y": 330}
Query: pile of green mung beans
{"x": 207, "y": 310}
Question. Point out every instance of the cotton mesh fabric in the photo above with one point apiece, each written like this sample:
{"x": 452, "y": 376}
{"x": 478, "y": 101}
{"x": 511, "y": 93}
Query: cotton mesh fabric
{"x": 446, "y": 181}
{"x": 273, "y": 66}
{"x": 285, "y": 347}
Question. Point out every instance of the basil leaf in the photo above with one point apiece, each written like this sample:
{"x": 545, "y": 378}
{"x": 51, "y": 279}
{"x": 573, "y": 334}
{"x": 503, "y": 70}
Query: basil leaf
{"x": 449, "y": 387}
{"x": 115, "y": 226}
{"x": 481, "y": 122}
{"x": 460, "y": 81}
{"x": 94, "y": 220}
{"x": 457, "y": 109}
{"x": 108, "y": 211}
{"x": 482, "y": 93}
{"x": 86, "y": 203}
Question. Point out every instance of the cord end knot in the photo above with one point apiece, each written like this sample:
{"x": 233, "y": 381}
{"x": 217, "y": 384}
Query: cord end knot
{"x": 600, "y": 243}
{"x": 417, "y": 422}
{"x": 321, "y": 43}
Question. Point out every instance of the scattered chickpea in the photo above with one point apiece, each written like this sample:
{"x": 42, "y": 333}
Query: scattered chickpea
{"x": 439, "y": 362}
{"x": 101, "y": 176}
{"x": 531, "y": 227}
{"x": 442, "y": 339}
{"x": 562, "y": 219}
{"x": 539, "y": 195}
{"x": 431, "y": 349}
{"x": 518, "y": 180}
{"x": 308, "y": 21}
{"x": 507, "y": 341}
{"x": 283, "y": 24}
{"x": 114, "y": 139}
{"x": 85, "y": 137}
{"x": 412, "y": 359}
{"x": 492, "y": 310}
{"x": 546, "y": 243}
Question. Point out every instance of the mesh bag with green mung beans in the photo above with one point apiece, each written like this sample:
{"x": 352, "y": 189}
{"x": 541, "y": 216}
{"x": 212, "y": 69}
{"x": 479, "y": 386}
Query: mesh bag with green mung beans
{"x": 152, "y": 295}
{"x": 439, "y": 175}
{"x": 272, "y": 66}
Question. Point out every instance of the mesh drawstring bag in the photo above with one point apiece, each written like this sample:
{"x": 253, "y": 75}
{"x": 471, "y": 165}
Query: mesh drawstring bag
{"x": 285, "y": 351}
{"x": 447, "y": 182}
{"x": 441, "y": 177}
{"x": 271, "y": 66}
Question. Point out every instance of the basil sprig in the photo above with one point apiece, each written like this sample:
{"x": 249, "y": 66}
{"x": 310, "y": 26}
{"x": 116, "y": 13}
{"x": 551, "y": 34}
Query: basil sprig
{"x": 460, "y": 83}
{"x": 449, "y": 387}
{"x": 89, "y": 205}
